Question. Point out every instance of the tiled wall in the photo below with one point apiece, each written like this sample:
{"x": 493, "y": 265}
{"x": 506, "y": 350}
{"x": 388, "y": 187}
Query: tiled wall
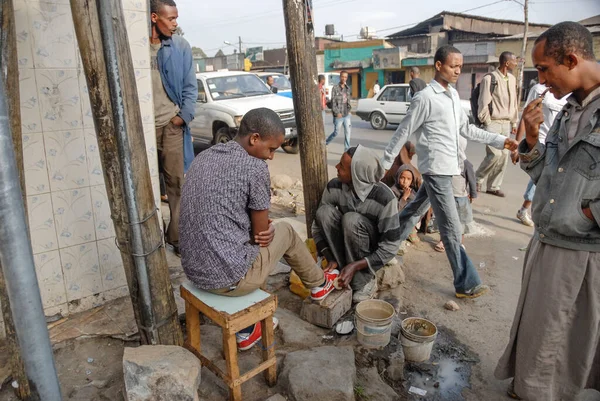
{"x": 77, "y": 263}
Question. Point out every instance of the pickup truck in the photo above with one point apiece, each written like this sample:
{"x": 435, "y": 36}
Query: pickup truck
{"x": 223, "y": 99}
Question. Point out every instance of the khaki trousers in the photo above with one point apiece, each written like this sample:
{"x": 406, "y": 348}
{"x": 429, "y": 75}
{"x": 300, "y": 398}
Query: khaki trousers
{"x": 169, "y": 144}
{"x": 286, "y": 244}
{"x": 490, "y": 173}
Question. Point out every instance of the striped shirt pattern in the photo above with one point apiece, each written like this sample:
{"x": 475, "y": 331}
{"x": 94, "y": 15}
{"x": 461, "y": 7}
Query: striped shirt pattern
{"x": 380, "y": 207}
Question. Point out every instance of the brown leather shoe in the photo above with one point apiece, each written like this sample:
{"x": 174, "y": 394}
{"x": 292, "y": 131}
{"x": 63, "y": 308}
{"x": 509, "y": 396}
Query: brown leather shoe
{"x": 496, "y": 193}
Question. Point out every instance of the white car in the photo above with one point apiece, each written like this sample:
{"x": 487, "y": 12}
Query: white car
{"x": 331, "y": 79}
{"x": 223, "y": 99}
{"x": 391, "y": 105}
{"x": 388, "y": 106}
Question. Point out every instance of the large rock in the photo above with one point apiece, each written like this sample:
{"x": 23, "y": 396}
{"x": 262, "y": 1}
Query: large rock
{"x": 324, "y": 373}
{"x": 161, "y": 372}
{"x": 281, "y": 181}
{"x": 296, "y": 332}
{"x": 373, "y": 387}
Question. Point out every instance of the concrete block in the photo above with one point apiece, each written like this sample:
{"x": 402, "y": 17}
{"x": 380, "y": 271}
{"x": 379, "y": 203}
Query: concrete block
{"x": 327, "y": 312}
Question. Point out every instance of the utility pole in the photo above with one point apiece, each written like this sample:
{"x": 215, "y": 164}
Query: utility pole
{"x": 523, "y": 48}
{"x": 240, "y": 44}
{"x": 10, "y": 73}
{"x": 309, "y": 120}
{"x": 106, "y": 57}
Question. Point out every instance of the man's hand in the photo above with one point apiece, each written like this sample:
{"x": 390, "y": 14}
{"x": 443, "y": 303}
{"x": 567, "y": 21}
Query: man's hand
{"x": 470, "y": 198}
{"x": 331, "y": 265}
{"x": 177, "y": 121}
{"x": 264, "y": 238}
{"x": 347, "y": 274}
{"x": 339, "y": 115}
{"x": 534, "y": 118}
{"x": 514, "y": 131}
{"x": 588, "y": 213}
{"x": 511, "y": 144}
{"x": 514, "y": 156}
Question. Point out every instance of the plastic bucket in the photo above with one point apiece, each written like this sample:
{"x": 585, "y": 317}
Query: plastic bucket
{"x": 374, "y": 322}
{"x": 417, "y": 336}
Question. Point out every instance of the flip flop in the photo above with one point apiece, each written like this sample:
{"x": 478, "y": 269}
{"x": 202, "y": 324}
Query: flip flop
{"x": 440, "y": 248}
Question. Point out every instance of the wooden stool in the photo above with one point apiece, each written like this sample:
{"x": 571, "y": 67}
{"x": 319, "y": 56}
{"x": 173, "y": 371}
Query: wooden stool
{"x": 232, "y": 314}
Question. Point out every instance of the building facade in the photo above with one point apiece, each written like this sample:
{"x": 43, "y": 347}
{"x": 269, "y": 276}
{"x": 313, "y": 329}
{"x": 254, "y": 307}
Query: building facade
{"x": 357, "y": 59}
{"x": 77, "y": 263}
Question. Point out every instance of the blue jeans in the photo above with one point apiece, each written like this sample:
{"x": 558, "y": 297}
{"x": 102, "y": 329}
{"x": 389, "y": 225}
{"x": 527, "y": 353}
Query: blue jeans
{"x": 529, "y": 192}
{"x": 337, "y": 127}
{"x": 437, "y": 192}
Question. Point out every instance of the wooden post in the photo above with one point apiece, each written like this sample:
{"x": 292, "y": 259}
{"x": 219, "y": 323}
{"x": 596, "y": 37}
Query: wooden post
{"x": 89, "y": 37}
{"x": 10, "y": 71}
{"x": 523, "y": 50}
{"x": 307, "y": 105}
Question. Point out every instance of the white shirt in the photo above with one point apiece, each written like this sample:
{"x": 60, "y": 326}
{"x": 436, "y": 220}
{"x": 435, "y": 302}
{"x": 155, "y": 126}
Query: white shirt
{"x": 437, "y": 119}
{"x": 551, "y": 106}
{"x": 376, "y": 89}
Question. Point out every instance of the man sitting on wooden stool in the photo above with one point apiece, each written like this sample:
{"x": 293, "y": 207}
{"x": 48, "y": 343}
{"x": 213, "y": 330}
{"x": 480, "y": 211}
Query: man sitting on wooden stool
{"x": 228, "y": 244}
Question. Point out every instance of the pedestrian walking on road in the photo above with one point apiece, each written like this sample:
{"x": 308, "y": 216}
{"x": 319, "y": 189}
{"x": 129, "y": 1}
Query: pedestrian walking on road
{"x": 498, "y": 111}
{"x": 175, "y": 92}
{"x": 550, "y": 108}
{"x": 554, "y": 347}
{"x": 416, "y": 84}
{"x": 437, "y": 120}
{"x": 340, "y": 107}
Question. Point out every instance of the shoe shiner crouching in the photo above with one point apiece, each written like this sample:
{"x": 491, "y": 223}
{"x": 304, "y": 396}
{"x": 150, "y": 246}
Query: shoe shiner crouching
{"x": 356, "y": 227}
{"x": 228, "y": 244}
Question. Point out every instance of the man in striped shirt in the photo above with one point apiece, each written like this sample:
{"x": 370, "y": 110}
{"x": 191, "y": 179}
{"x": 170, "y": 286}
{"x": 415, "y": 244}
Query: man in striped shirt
{"x": 356, "y": 226}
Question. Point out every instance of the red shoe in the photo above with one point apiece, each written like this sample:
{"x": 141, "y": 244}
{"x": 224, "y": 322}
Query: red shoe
{"x": 246, "y": 341}
{"x": 319, "y": 293}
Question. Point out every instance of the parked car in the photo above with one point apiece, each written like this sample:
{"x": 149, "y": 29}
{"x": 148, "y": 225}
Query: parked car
{"x": 223, "y": 99}
{"x": 331, "y": 79}
{"x": 391, "y": 105}
{"x": 280, "y": 81}
{"x": 388, "y": 106}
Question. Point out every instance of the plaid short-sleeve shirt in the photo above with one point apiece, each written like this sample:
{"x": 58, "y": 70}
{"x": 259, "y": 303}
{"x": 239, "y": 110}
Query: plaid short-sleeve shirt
{"x": 222, "y": 186}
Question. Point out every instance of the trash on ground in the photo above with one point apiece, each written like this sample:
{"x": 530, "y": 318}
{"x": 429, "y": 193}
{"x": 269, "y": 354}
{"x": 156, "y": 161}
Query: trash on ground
{"x": 416, "y": 390}
{"x": 90, "y": 360}
{"x": 515, "y": 257}
{"x": 344, "y": 328}
{"x": 482, "y": 265}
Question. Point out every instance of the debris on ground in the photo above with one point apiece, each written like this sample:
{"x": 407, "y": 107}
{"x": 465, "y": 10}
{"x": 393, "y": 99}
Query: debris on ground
{"x": 281, "y": 181}
{"x": 451, "y": 306}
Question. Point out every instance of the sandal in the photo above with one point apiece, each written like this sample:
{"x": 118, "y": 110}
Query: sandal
{"x": 440, "y": 247}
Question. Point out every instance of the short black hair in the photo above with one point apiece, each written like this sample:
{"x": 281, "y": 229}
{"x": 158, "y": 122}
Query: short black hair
{"x": 262, "y": 121}
{"x": 443, "y": 52}
{"x": 567, "y": 37}
{"x": 344, "y": 72}
{"x": 351, "y": 151}
{"x": 321, "y": 76}
{"x": 269, "y": 76}
{"x": 155, "y": 5}
{"x": 415, "y": 70}
{"x": 505, "y": 56}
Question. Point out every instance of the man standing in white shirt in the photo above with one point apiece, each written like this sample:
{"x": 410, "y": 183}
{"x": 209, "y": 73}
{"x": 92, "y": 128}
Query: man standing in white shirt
{"x": 376, "y": 88}
{"x": 551, "y": 106}
{"x": 437, "y": 120}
